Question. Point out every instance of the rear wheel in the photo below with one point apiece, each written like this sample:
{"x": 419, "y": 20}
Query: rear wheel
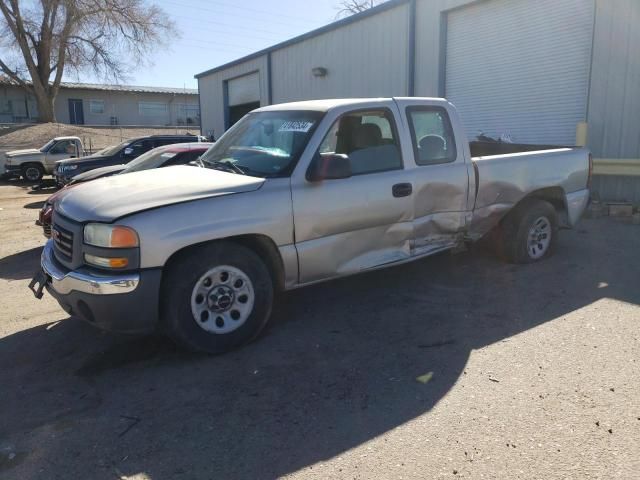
{"x": 530, "y": 232}
{"x": 33, "y": 172}
{"x": 216, "y": 297}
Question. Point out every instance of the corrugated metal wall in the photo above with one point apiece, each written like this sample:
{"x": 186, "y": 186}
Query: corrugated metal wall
{"x": 614, "y": 104}
{"x": 430, "y": 44}
{"x": 520, "y": 67}
{"x": 614, "y": 100}
{"x": 363, "y": 59}
{"x": 211, "y": 89}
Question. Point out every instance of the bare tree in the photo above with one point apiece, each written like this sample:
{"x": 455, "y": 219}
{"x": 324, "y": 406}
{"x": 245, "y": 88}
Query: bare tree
{"x": 351, "y": 7}
{"x": 41, "y": 40}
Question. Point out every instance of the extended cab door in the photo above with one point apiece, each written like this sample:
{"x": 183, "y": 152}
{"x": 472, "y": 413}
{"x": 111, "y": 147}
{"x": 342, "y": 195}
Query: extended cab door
{"x": 61, "y": 150}
{"x": 352, "y": 224}
{"x": 439, "y": 173}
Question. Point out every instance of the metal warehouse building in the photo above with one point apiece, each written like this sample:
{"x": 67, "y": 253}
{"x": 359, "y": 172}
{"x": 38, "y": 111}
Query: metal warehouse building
{"x": 543, "y": 71}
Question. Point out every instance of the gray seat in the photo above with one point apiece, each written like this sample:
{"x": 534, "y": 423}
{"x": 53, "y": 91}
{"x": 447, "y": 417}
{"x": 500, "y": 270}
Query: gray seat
{"x": 369, "y": 153}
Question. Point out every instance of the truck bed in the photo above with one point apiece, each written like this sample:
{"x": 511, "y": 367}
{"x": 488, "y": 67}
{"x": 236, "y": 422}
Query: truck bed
{"x": 501, "y": 181}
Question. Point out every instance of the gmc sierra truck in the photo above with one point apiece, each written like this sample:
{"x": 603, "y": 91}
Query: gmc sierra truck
{"x": 291, "y": 195}
{"x": 32, "y": 164}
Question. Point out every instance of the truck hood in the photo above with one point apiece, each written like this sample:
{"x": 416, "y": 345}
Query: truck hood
{"x": 80, "y": 159}
{"x": 107, "y": 199}
{"x": 19, "y": 153}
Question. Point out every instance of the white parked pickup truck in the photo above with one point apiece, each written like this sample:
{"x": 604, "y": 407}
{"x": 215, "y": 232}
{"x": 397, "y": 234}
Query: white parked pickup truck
{"x": 291, "y": 195}
{"x": 32, "y": 164}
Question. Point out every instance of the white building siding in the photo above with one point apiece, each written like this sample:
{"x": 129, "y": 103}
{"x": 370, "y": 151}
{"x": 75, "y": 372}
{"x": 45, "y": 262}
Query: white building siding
{"x": 16, "y": 107}
{"x": 521, "y": 67}
{"x": 363, "y": 59}
{"x": 124, "y": 107}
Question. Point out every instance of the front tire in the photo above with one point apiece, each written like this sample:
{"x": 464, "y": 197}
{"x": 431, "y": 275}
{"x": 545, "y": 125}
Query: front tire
{"x": 216, "y": 297}
{"x": 530, "y": 232}
{"x": 32, "y": 172}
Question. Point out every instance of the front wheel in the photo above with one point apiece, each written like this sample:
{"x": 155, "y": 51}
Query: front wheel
{"x": 216, "y": 297}
{"x": 32, "y": 172}
{"x": 530, "y": 232}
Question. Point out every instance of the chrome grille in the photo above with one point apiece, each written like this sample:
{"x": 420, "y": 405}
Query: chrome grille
{"x": 63, "y": 241}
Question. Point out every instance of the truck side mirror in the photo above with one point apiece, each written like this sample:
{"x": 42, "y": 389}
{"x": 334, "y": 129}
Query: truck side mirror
{"x": 329, "y": 166}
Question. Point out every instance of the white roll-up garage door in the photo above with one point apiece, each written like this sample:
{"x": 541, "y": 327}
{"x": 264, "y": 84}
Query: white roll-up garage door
{"x": 245, "y": 89}
{"x": 520, "y": 67}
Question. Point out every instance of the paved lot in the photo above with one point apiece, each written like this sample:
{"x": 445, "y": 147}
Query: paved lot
{"x": 533, "y": 372}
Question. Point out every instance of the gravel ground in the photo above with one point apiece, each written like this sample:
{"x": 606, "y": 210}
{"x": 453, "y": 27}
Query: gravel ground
{"x": 527, "y": 372}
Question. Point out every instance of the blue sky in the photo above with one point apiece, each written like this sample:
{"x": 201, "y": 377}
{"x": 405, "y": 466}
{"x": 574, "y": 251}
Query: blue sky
{"x": 215, "y": 32}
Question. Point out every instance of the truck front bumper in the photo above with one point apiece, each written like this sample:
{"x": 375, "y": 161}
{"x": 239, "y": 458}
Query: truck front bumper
{"x": 126, "y": 302}
{"x": 12, "y": 170}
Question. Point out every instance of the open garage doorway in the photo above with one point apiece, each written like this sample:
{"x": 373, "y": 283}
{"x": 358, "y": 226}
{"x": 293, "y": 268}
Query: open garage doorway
{"x": 242, "y": 96}
{"x": 238, "y": 111}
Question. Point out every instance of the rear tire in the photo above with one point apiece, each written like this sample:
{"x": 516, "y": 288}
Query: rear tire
{"x": 530, "y": 232}
{"x": 32, "y": 172}
{"x": 216, "y": 297}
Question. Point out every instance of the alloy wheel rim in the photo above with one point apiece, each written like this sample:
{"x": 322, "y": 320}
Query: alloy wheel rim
{"x": 539, "y": 238}
{"x": 222, "y": 299}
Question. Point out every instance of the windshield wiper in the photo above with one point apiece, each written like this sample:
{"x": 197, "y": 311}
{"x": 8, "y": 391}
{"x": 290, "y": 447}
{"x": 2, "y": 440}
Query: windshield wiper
{"x": 228, "y": 166}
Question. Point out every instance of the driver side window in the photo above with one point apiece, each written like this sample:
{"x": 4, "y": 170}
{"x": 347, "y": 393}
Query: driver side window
{"x": 65, "y": 146}
{"x": 369, "y": 139}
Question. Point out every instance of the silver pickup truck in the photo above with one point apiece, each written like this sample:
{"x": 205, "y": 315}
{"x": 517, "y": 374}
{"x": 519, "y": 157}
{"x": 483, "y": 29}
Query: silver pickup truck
{"x": 291, "y": 195}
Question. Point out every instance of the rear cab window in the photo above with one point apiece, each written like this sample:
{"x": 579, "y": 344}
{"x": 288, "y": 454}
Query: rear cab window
{"x": 431, "y": 135}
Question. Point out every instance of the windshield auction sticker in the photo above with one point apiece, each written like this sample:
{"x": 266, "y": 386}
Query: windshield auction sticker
{"x": 294, "y": 126}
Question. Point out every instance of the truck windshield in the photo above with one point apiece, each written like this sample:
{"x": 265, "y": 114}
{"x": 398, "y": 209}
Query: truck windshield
{"x": 107, "y": 152}
{"x": 263, "y": 144}
{"x": 45, "y": 148}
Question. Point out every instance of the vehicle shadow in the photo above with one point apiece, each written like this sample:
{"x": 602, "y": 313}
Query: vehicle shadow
{"x": 20, "y": 265}
{"x": 34, "y": 205}
{"x": 46, "y": 186}
{"x": 337, "y": 369}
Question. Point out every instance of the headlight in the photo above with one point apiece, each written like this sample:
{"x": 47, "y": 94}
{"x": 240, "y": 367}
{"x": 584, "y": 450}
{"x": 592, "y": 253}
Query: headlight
{"x": 110, "y": 236}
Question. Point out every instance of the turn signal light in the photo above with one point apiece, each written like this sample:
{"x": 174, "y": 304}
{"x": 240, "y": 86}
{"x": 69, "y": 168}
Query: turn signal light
{"x": 116, "y": 262}
{"x": 122, "y": 237}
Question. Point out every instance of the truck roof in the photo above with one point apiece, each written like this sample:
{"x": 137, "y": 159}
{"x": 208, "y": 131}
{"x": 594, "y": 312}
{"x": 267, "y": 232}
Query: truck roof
{"x": 328, "y": 104}
{"x": 66, "y": 138}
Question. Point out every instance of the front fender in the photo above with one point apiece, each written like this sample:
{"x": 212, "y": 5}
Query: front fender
{"x": 168, "y": 229}
{"x": 22, "y": 159}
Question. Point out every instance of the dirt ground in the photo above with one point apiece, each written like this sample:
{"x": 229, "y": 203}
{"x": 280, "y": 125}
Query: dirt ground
{"x": 35, "y": 136}
{"x": 527, "y": 372}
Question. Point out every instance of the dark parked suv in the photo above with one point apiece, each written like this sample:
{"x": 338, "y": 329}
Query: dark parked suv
{"x": 65, "y": 170}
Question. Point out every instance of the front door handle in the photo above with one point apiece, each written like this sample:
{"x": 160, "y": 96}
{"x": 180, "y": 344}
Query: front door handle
{"x": 402, "y": 190}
